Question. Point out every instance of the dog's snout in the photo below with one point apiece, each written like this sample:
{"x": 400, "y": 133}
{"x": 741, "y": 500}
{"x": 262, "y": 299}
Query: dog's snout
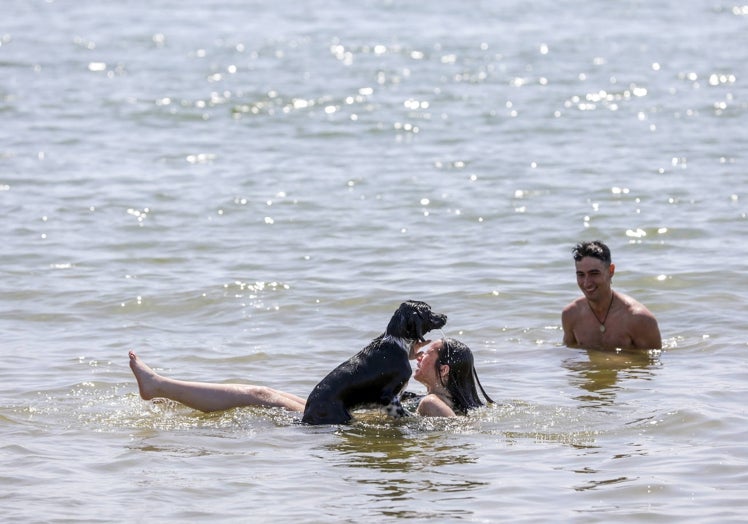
{"x": 440, "y": 321}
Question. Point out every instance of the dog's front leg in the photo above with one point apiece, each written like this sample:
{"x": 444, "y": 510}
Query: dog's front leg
{"x": 395, "y": 408}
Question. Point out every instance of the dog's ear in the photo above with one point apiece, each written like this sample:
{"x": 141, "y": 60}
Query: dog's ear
{"x": 416, "y": 329}
{"x": 422, "y": 321}
{"x": 398, "y": 323}
{"x": 407, "y": 322}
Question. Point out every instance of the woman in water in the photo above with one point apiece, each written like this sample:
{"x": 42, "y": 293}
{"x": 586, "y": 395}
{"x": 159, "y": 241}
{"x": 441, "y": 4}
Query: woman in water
{"x": 445, "y": 366}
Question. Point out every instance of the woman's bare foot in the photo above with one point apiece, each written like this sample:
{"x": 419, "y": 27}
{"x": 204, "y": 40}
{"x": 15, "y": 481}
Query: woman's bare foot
{"x": 146, "y": 377}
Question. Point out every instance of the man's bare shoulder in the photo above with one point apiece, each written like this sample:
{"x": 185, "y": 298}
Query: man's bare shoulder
{"x": 634, "y": 307}
{"x": 641, "y": 325}
{"x": 573, "y": 307}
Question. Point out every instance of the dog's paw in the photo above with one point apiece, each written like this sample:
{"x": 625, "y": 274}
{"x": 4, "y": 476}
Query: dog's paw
{"x": 396, "y": 410}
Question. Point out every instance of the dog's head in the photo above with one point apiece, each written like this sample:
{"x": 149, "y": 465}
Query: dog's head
{"x": 413, "y": 319}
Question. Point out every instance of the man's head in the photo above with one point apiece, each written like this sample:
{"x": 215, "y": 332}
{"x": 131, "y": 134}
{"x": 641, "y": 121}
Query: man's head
{"x": 595, "y": 249}
{"x": 594, "y": 269}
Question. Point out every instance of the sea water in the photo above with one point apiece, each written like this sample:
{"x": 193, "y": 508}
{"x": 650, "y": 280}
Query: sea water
{"x": 245, "y": 192}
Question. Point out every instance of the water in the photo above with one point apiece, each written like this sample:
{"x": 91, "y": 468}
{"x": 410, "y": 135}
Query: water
{"x": 245, "y": 192}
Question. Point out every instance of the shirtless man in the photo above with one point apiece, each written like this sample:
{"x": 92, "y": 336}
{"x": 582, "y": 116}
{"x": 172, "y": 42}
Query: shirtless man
{"x": 603, "y": 318}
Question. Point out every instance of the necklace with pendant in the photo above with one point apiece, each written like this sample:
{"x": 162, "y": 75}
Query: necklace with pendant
{"x": 602, "y": 322}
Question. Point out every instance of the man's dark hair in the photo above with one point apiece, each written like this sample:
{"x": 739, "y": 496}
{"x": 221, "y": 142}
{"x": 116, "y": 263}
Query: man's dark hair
{"x": 595, "y": 249}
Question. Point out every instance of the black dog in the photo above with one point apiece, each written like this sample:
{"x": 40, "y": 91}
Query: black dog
{"x": 378, "y": 374}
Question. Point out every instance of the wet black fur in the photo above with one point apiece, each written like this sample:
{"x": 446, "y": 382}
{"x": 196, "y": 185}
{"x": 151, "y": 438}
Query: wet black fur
{"x": 377, "y": 374}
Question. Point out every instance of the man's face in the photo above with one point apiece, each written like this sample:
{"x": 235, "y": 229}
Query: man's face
{"x": 594, "y": 277}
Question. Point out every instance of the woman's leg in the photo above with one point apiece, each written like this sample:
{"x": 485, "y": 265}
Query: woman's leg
{"x": 206, "y": 396}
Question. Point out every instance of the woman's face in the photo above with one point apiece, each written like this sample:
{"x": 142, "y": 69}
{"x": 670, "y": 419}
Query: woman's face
{"x": 427, "y": 357}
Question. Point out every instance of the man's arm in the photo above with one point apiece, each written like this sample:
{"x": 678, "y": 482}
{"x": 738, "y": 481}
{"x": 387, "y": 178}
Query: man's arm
{"x": 569, "y": 339}
{"x": 646, "y": 333}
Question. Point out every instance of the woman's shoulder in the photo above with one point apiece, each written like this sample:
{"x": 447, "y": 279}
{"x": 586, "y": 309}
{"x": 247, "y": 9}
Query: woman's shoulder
{"x": 432, "y": 405}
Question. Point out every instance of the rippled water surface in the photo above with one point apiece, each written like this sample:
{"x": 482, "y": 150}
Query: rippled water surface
{"x": 245, "y": 191}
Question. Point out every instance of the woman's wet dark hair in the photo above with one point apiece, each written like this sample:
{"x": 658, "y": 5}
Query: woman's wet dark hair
{"x": 462, "y": 376}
